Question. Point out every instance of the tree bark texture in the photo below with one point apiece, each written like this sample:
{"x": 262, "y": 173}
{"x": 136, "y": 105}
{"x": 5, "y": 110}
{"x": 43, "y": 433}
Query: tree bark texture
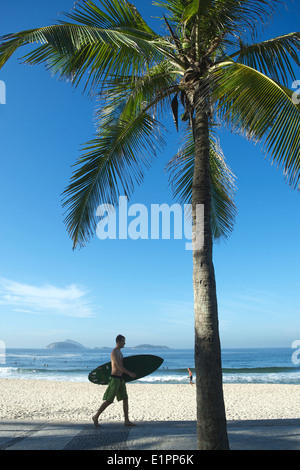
{"x": 211, "y": 418}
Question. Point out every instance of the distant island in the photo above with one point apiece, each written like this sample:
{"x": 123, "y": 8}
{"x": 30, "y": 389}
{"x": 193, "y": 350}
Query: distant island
{"x": 69, "y": 344}
{"x": 149, "y": 346}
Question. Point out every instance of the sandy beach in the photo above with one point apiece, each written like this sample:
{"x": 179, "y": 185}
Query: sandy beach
{"x": 53, "y": 400}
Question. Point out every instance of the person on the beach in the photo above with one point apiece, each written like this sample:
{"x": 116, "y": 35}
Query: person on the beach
{"x": 190, "y": 376}
{"x": 116, "y": 385}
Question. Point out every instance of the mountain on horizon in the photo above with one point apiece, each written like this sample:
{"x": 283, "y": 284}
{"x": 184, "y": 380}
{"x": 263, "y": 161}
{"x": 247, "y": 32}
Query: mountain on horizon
{"x": 71, "y": 344}
{"x": 67, "y": 344}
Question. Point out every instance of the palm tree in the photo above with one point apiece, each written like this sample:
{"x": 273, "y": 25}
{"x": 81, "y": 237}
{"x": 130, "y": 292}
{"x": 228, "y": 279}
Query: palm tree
{"x": 208, "y": 68}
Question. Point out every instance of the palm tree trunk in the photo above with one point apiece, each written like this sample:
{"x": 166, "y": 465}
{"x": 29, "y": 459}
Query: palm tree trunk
{"x": 211, "y": 419}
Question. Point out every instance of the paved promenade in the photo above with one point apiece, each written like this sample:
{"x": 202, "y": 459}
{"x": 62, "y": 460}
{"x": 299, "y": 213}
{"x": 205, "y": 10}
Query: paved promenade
{"x": 151, "y": 435}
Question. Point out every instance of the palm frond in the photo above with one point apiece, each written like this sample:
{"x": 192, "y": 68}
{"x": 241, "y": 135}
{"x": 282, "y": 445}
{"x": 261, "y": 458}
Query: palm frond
{"x": 255, "y": 105}
{"x": 127, "y": 139}
{"x": 223, "y": 209}
{"x": 101, "y": 45}
{"x": 236, "y": 17}
{"x": 143, "y": 92}
{"x": 112, "y": 164}
{"x": 181, "y": 170}
{"x": 207, "y": 22}
{"x": 174, "y": 7}
{"x": 114, "y": 14}
{"x": 196, "y": 8}
{"x": 272, "y": 57}
{"x": 230, "y": 16}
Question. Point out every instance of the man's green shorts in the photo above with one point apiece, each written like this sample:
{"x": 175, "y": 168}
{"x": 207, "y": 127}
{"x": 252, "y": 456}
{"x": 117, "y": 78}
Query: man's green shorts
{"x": 116, "y": 388}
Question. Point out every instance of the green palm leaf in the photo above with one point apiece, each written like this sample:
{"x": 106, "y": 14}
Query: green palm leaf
{"x": 262, "y": 110}
{"x": 126, "y": 142}
{"x": 181, "y": 170}
{"x": 143, "y": 92}
{"x": 102, "y": 45}
{"x": 273, "y": 57}
{"x": 112, "y": 163}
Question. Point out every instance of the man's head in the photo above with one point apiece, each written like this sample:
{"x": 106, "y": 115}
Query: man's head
{"x": 120, "y": 340}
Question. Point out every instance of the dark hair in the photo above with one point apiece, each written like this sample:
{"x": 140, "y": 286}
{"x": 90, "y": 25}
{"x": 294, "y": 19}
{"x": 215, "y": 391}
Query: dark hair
{"x": 119, "y": 338}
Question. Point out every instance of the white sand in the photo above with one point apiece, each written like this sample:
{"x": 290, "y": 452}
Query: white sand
{"x": 49, "y": 400}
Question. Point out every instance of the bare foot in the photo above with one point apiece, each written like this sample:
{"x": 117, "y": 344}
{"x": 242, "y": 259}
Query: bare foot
{"x": 97, "y": 425}
{"x": 129, "y": 423}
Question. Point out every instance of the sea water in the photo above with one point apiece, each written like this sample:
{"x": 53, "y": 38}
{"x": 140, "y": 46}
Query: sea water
{"x": 266, "y": 365}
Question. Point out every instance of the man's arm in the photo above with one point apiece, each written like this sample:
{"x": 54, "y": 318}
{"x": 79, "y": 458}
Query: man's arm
{"x": 119, "y": 364}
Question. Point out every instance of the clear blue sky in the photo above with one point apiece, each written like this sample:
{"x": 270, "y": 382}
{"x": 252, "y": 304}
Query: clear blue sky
{"x": 142, "y": 288}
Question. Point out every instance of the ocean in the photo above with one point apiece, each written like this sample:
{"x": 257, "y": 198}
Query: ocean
{"x": 269, "y": 365}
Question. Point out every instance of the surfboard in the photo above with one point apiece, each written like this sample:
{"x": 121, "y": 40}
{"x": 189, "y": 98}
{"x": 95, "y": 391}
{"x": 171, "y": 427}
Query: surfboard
{"x": 141, "y": 364}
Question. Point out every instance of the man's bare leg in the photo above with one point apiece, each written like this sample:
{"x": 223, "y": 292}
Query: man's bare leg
{"x": 95, "y": 418}
{"x": 125, "y": 408}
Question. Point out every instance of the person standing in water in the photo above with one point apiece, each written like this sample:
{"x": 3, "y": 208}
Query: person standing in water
{"x": 190, "y": 376}
{"x": 116, "y": 385}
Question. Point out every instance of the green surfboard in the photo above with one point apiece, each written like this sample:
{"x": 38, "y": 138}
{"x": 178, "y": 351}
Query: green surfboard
{"x": 141, "y": 364}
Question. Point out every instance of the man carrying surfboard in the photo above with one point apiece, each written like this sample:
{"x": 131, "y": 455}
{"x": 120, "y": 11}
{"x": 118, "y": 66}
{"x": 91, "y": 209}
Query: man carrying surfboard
{"x": 116, "y": 386}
